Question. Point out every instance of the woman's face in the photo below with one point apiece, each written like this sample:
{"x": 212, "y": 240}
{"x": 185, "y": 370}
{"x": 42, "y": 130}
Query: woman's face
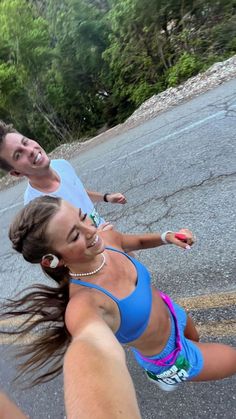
{"x": 73, "y": 236}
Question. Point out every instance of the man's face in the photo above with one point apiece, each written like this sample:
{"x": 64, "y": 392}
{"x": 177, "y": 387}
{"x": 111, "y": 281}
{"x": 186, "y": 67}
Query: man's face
{"x": 25, "y": 155}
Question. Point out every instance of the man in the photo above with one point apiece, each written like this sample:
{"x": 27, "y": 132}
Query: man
{"x": 22, "y": 156}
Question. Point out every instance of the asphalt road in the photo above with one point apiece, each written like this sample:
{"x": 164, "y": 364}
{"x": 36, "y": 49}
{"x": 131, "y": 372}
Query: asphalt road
{"x": 177, "y": 170}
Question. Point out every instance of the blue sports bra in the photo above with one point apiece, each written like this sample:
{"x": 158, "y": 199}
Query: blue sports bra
{"x": 134, "y": 309}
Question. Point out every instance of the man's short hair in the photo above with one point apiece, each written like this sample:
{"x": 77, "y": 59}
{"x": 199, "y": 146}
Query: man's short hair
{"x": 4, "y": 130}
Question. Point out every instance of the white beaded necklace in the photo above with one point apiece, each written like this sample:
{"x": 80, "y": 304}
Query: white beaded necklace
{"x": 93, "y": 272}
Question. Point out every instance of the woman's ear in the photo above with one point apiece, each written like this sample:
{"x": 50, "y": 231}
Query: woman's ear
{"x": 50, "y": 261}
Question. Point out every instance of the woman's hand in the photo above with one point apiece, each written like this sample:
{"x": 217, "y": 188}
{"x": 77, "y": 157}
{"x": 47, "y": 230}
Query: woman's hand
{"x": 105, "y": 226}
{"x": 183, "y": 238}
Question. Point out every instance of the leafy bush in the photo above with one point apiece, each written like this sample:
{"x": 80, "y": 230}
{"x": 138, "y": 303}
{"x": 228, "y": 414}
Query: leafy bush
{"x": 141, "y": 92}
{"x": 187, "y": 65}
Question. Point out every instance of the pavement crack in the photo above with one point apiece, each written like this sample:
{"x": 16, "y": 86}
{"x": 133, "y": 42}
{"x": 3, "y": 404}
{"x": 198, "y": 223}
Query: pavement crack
{"x": 133, "y": 211}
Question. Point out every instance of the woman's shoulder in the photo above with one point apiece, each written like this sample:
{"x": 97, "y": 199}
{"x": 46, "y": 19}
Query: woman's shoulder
{"x": 112, "y": 238}
{"x": 81, "y": 308}
{"x": 87, "y": 306}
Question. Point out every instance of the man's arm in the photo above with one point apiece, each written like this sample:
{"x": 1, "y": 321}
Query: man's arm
{"x": 113, "y": 198}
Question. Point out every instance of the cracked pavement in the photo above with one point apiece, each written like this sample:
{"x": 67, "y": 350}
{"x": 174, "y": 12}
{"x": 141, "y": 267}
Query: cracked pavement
{"x": 177, "y": 170}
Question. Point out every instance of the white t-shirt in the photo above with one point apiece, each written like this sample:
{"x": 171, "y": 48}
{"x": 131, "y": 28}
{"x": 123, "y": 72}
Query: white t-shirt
{"x": 71, "y": 189}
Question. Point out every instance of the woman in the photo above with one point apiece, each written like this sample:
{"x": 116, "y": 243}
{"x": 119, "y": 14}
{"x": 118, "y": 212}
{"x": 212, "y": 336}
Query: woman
{"x": 8, "y": 409}
{"x": 104, "y": 297}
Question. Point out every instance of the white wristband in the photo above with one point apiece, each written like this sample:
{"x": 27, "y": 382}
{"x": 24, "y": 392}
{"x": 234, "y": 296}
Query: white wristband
{"x": 163, "y": 236}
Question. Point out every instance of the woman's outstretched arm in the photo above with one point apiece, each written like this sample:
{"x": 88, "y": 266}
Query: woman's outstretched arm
{"x": 97, "y": 383}
{"x": 8, "y": 409}
{"x": 130, "y": 242}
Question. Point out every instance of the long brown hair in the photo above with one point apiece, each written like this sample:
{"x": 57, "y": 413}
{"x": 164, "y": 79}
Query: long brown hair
{"x": 43, "y": 308}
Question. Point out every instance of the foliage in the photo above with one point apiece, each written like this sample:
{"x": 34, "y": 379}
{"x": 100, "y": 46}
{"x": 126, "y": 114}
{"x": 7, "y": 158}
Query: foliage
{"x": 26, "y": 59}
{"x": 187, "y": 65}
{"x": 69, "y": 67}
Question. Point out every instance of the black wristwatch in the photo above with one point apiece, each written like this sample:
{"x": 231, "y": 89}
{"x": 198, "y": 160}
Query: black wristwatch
{"x": 105, "y": 197}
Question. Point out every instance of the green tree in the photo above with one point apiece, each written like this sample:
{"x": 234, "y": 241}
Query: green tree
{"x": 157, "y": 43}
{"x": 67, "y": 67}
{"x": 25, "y": 61}
{"x": 80, "y": 38}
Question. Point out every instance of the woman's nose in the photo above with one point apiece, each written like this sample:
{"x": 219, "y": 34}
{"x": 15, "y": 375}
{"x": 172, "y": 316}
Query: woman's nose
{"x": 90, "y": 230}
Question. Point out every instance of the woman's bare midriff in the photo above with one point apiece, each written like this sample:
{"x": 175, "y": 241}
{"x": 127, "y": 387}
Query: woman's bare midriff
{"x": 124, "y": 276}
{"x": 156, "y": 335}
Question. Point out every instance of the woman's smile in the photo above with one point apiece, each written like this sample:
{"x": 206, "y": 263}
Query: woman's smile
{"x": 95, "y": 240}
{"x": 97, "y": 245}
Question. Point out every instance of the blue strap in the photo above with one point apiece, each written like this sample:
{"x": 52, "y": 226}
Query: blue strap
{"x": 87, "y": 284}
{"x": 122, "y": 253}
{"x": 97, "y": 287}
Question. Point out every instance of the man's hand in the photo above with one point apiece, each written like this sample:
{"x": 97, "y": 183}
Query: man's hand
{"x": 105, "y": 226}
{"x": 116, "y": 198}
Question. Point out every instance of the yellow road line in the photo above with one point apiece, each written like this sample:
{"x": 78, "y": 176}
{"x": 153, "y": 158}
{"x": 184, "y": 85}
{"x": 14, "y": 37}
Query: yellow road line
{"x": 216, "y": 329}
{"x": 15, "y": 321}
{"x": 208, "y": 301}
{"x": 225, "y": 328}
{"x": 13, "y": 340}
{"x": 199, "y": 302}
